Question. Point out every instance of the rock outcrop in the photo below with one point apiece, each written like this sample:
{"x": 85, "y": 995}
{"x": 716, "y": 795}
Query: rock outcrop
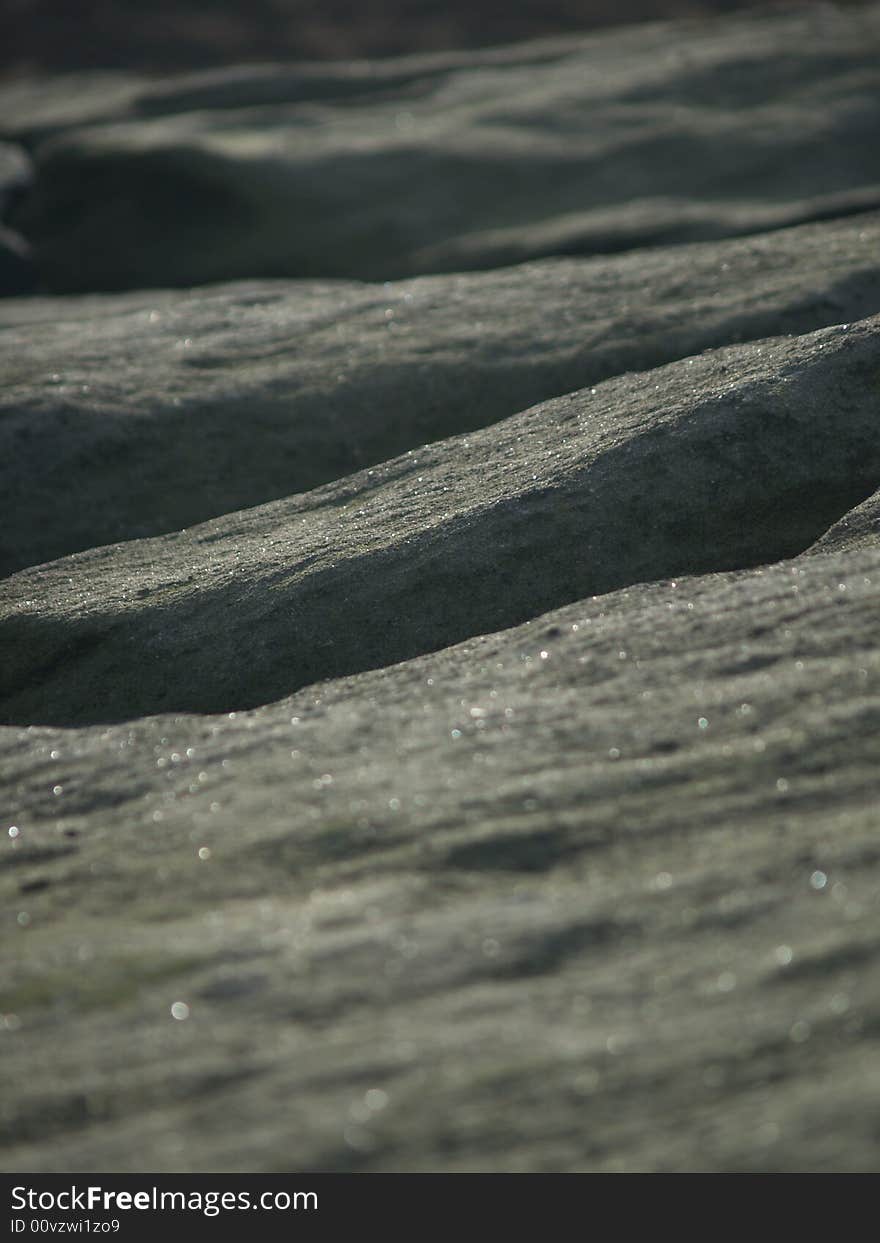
{"x": 596, "y": 893}
{"x": 441, "y": 717}
{"x": 141, "y": 413}
{"x": 733, "y": 458}
{"x": 662, "y": 133}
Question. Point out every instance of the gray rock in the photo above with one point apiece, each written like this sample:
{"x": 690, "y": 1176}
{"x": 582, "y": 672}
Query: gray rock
{"x": 660, "y": 134}
{"x": 511, "y": 799}
{"x": 135, "y": 414}
{"x": 860, "y": 528}
{"x": 36, "y": 108}
{"x": 598, "y": 893}
{"x": 735, "y": 457}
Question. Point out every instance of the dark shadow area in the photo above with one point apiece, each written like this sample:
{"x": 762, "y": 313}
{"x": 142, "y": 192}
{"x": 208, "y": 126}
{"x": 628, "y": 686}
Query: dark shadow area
{"x": 174, "y": 199}
{"x": 169, "y": 35}
{"x": 185, "y": 215}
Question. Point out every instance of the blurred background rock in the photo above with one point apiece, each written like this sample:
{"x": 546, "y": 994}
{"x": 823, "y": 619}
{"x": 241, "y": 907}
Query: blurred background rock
{"x": 168, "y": 35}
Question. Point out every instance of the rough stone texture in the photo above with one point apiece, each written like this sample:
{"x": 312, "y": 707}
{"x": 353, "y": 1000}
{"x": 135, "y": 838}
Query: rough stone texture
{"x": 530, "y": 819}
{"x": 135, "y": 414}
{"x": 597, "y": 893}
{"x": 662, "y": 133}
{"x": 860, "y": 528}
{"x": 733, "y": 458}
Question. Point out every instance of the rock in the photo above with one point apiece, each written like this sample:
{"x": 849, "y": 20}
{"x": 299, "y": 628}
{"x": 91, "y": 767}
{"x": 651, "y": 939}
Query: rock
{"x": 136, "y": 414}
{"x": 40, "y": 107}
{"x": 467, "y": 758}
{"x": 860, "y": 528}
{"x": 657, "y": 134}
{"x": 598, "y": 893}
{"x": 736, "y": 457}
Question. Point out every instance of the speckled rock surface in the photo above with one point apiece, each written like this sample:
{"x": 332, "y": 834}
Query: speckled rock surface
{"x": 661, "y": 133}
{"x": 468, "y": 758}
{"x": 138, "y": 413}
{"x": 860, "y": 528}
{"x": 732, "y": 458}
{"x": 597, "y": 893}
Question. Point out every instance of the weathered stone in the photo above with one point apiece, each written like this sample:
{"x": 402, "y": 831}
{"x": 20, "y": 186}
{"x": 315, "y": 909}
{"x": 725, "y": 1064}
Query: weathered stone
{"x": 736, "y": 457}
{"x": 594, "y": 891}
{"x": 657, "y": 134}
{"x": 42, "y": 107}
{"x": 598, "y": 893}
{"x": 860, "y": 528}
{"x": 131, "y": 415}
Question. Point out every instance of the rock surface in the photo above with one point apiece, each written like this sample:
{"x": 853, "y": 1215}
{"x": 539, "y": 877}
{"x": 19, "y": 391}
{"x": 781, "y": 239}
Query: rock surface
{"x": 733, "y": 458}
{"x": 135, "y": 414}
{"x": 596, "y": 893}
{"x": 860, "y": 528}
{"x": 661, "y": 133}
{"x": 468, "y": 757}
